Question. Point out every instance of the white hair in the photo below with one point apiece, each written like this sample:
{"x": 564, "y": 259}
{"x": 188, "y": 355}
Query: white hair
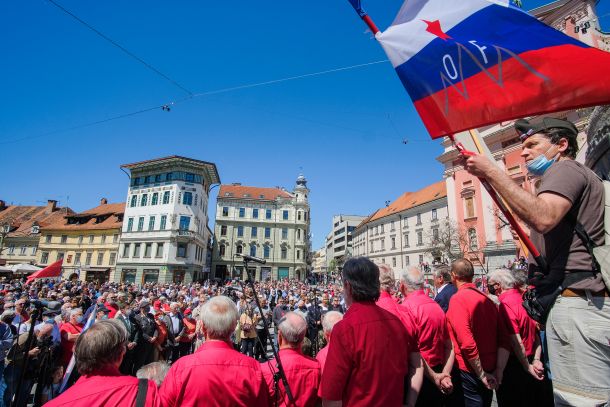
{"x": 413, "y": 278}
{"x": 155, "y": 371}
{"x": 293, "y": 328}
{"x": 75, "y": 311}
{"x": 330, "y": 319}
{"x": 219, "y": 317}
{"x": 504, "y": 277}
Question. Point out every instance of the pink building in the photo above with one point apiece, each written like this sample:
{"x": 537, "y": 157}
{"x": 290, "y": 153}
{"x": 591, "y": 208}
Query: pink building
{"x": 490, "y": 239}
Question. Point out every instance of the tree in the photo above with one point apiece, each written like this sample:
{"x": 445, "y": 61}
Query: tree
{"x": 447, "y": 242}
{"x": 451, "y": 242}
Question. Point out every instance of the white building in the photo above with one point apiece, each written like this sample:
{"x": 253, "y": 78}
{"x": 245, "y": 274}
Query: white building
{"x": 339, "y": 245}
{"x": 270, "y": 223}
{"x": 165, "y": 236}
{"x": 400, "y": 234}
{"x": 319, "y": 261}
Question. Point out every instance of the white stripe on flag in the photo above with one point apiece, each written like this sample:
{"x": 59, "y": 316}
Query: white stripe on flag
{"x": 407, "y": 35}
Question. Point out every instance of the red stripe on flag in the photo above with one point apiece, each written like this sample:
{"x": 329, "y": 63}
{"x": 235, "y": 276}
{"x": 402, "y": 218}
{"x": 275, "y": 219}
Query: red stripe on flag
{"x": 52, "y": 270}
{"x": 578, "y": 77}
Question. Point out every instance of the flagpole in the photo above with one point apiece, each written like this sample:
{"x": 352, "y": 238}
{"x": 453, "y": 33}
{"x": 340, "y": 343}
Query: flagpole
{"x": 477, "y": 143}
{"x": 364, "y": 16}
{"x": 540, "y": 260}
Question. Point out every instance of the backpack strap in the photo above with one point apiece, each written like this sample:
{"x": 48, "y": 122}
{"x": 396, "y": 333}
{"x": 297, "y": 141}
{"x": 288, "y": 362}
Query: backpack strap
{"x": 589, "y": 244}
{"x": 142, "y": 390}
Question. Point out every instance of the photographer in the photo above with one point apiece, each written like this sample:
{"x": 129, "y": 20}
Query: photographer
{"x": 40, "y": 353}
{"x": 260, "y": 352}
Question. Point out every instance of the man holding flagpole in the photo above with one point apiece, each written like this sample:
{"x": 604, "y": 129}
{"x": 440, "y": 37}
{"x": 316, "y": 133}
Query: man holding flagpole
{"x": 568, "y": 196}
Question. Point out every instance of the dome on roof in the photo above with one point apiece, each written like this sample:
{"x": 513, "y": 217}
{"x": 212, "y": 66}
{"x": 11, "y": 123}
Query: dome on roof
{"x": 301, "y": 181}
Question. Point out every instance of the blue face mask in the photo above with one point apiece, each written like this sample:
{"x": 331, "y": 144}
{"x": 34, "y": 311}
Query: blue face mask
{"x": 540, "y": 164}
{"x": 79, "y": 320}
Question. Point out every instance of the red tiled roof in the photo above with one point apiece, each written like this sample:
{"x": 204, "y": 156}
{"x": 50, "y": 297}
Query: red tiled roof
{"x": 410, "y": 200}
{"x": 23, "y": 217}
{"x": 254, "y": 193}
{"x": 111, "y": 222}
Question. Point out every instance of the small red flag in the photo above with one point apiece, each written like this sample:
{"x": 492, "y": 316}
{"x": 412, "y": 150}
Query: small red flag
{"x": 52, "y": 270}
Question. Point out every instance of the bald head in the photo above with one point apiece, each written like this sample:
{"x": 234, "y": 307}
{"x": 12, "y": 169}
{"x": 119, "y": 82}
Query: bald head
{"x": 293, "y": 329}
{"x": 462, "y": 270}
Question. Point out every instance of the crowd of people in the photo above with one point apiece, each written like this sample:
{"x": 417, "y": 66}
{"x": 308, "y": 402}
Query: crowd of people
{"x": 535, "y": 337}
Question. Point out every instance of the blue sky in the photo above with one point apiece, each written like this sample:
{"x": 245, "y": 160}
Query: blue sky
{"x": 343, "y": 130}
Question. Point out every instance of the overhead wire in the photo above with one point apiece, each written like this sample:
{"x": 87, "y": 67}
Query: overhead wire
{"x": 119, "y": 46}
{"x": 166, "y": 106}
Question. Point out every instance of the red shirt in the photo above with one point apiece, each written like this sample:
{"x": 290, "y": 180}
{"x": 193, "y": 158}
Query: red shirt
{"x": 105, "y": 388}
{"x": 215, "y": 375}
{"x": 190, "y": 326}
{"x": 389, "y": 303}
{"x": 472, "y": 321}
{"x": 321, "y": 356}
{"x": 67, "y": 347}
{"x": 367, "y": 358}
{"x": 303, "y": 374}
{"x": 514, "y": 319}
{"x": 429, "y": 324}
{"x": 113, "y": 309}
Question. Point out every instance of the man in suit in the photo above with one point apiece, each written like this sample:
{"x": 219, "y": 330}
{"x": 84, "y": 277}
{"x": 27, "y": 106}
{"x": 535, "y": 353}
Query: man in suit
{"x": 125, "y": 315}
{"x": 175, "y": 329}
{"x": 444, "y": 287}
{"x": 148, "y": 329}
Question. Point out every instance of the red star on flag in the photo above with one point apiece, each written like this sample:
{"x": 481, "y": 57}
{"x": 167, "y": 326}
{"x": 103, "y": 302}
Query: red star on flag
{"x": 434, "y": 27}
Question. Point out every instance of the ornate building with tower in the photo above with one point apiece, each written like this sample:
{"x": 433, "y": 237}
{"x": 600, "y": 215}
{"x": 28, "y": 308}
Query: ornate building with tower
{"x": 165, "y": 235}
{"x": 270, "y": 223}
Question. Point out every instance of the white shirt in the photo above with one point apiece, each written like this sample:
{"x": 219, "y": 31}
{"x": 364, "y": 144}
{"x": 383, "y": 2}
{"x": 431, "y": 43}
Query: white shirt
{"x": 441, "y": 288}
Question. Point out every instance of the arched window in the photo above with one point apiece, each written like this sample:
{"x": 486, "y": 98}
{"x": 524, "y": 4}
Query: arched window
{"x": 239, "y": 249}
{"x": 253, "y": 250}
{"x": 266, "y": 251}
{"x": 221, "y": 250}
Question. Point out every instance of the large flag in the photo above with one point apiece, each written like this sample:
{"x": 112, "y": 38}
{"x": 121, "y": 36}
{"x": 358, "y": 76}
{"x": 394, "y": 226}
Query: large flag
{"x": 471, "y": 63}
{"x": 52, "y": 270}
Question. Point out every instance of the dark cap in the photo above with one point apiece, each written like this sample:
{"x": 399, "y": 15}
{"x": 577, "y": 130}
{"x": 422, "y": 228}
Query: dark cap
{"x": 525, "y": 128}
{"x": 103, "y": 309}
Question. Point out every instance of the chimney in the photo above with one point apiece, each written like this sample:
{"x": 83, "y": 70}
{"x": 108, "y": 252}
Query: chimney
{"x": 51, "y": 206}
{"x": 103, "y": 201}
{"x": 2, "y": 205}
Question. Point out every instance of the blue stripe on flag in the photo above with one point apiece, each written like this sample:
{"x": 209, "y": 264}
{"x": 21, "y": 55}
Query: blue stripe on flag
{"x": 493, "y": 26}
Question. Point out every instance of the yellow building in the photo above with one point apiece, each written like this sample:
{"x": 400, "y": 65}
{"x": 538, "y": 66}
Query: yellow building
{"x": 87, "y": 241}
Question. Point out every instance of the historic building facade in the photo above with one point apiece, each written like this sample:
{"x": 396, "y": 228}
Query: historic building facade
{"x": 165, "y": 235}
{"x": 402, "y": 233}
{"x": 87, "y": 242}
{"x": 270, "y": 223}
{"x": 20, "y": 230}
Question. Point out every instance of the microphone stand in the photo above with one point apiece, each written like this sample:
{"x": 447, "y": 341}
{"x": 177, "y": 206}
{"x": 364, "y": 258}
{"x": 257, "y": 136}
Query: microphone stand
{"x": 281, "y": 372}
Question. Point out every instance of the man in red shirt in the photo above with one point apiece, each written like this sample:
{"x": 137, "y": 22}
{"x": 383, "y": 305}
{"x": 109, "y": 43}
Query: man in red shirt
{"x": 370, "y": 353}
{"x": 328, "y": 322}
{"x": 432, "y": 337}
{"x": 302, "y": 372}
{"x": 388, "y": 302}
{"x": 99, "y": 352}
{"x": 521, "y": 379}
{"x": 215, "y": 375}
{"x": 472, "y": 321}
